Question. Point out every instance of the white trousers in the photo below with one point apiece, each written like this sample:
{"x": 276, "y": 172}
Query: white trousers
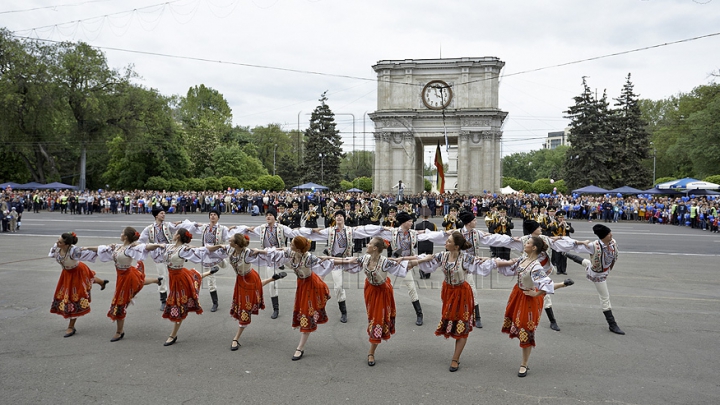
{"x": 547, "y": 302}
{"x": 604, "y": 295}
{"x": 337, "y": 276}
{"x": 411, "y": 286}
{"x": 162, "y": 271}
{"x": 211, "y": 281}
{"x": 273, "y": 286}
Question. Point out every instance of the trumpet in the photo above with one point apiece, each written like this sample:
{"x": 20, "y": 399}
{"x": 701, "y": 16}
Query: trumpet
{"x": 312, "y": 213}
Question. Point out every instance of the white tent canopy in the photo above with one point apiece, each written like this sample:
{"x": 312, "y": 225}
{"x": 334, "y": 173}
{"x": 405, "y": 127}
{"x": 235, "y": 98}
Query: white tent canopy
{"x": 507, "y": 190}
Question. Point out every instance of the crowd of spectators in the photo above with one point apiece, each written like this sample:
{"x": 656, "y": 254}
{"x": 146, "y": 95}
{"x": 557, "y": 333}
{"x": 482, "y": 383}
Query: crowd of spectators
{"x": 693, "y": 211}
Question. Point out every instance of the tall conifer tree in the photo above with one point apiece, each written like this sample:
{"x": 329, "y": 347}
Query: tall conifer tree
{"x": 321, "y": 137}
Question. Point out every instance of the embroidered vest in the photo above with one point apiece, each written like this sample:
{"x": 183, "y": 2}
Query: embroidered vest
{"x": 395, "y": 240}
{"x": 596, "y": 259}
{"x": 165, "y": 230}
{"x": 218, "y": 233}
{"x": 280, "y": 235}
{"x": 348, "y": 237}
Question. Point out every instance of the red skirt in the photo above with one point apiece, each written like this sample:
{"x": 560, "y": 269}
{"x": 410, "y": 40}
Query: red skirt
{"x": 380, "y": 305}
{"x": 310, "y": 298}
{"x": 72, "y": 295}
{"x": 247, "y": 297}
{"x": 183, "y": 286}
{"x": 522, "y": 316}
{"x": 129, "y": 283}
{"x": 458, "y": 311}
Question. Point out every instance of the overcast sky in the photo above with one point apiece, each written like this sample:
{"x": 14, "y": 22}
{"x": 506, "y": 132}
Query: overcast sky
{"x": 347, "y": 37}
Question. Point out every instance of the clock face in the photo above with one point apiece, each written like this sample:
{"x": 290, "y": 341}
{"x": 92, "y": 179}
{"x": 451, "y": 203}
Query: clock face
{"x": 436, "y": 95}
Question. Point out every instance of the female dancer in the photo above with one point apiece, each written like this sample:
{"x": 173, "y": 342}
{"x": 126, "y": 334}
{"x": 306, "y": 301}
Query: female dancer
{"x": 312, "y": 293}
{"x": 248, "y": 294}
{"x": 130, "y": 279}
{"x": 457, "y": 297}
{"x": 183, "y": 284}
{"x": 72, "y": 295}
{"x": 379, "y": 297}
{"x": 524, "y": 307}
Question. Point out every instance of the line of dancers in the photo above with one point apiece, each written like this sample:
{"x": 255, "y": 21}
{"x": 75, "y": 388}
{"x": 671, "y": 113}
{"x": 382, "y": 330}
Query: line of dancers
{"x": 230, "y": 247}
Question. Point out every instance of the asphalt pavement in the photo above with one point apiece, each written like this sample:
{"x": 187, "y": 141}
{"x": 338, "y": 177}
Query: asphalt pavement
{"x": 664, "y": 291}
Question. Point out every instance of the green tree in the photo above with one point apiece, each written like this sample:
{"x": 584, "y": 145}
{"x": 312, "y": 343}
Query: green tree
{"x": 34, "y": 124}
{"x": 631, "y": 144}
{"x": 537, "y": 164}
{"x": 88, "y": 87}
{"x": 288, "y": 170}
{"x": 364, "y": 184}
{"x": 207, "y": 119}
{"x": 195, "y": 184}
{"x": 323, "y": 146}
{"x": 234, "y": 162}
{"x": 517, "y": 184}
{"x": 589, "y": 159}
{"x": 358, "y": 164}
{"x": 272, "y": 145}
{"x": 146, "y": 141}
{"x": 270, "y": 183}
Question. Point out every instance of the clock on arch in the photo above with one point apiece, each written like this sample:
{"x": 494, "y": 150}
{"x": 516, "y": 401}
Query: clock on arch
{"x": 436, "y": 95}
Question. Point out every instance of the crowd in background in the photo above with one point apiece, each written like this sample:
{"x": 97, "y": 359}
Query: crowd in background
{"x": 694, "y": 211}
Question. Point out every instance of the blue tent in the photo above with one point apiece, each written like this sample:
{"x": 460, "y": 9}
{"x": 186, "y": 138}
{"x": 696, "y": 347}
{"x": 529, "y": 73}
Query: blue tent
{"x": 309, "y": 186}
{"x": 354, "y": 190}
{"x": 3, "y": 186}
{"x": 590, "y": 190}
{"x": 626, "y": 190}
{"x": 29, "y": 186}
{"x": 656, "y": 191}
{"x": 59, "y": 186}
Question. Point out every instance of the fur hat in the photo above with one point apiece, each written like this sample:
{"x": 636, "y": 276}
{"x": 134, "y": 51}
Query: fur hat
{"x": 601, "y": 231}
{"x": 530, "y": 226}
{"x": 466, "y": 217}
{"x": 403, "y": 217}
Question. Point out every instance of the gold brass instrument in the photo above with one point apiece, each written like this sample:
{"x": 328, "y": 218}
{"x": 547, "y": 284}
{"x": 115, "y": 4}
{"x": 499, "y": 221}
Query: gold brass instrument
{"x": 311, "y": 213}
{"x": 376, "y": 210}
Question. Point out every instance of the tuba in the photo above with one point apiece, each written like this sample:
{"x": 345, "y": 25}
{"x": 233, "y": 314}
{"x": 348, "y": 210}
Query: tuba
{"x": 376, "y": 210}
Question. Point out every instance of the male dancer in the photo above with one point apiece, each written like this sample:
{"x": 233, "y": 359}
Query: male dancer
{"x": 274, "y": 235}
{"x": 603, "y": 255}
{"x": 212, "y": 234}
{"x": 157, "y": 233}
{"x": 340, "y": 244}
{"x": 403, "y": 242}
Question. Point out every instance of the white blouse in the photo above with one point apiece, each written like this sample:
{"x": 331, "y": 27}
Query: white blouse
{"x": 303, "y": 266}
{"x": 377, "y": 274}
{"x": 72, "y": 256}
{"x": 456, "y": 272}
{"x": 124, "y": 256}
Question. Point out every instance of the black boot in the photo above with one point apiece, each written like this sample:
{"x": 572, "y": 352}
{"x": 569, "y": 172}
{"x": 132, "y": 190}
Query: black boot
{"x": 478, "y": 324}
{"x": 213, "y": 295}
{"x": 276, "y": 307}
{"x": 418, "y": 312}
{"x": 614, "y": 328}
{"x": 343, "y": 311}
{"x": 163, "y": 299}
{"x": 551, "y": 317}
{"x": 577, "y": 259}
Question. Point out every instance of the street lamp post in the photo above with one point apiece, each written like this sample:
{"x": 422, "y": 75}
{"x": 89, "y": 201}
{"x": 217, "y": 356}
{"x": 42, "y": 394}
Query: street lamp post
{"x": 654, "y": 160}
{"x": 274, "y": 155}
{"x": 322, "y": 168}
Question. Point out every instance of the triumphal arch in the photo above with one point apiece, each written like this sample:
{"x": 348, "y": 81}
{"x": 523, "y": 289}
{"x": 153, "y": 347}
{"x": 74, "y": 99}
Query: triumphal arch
{"x": 421, "y": 100}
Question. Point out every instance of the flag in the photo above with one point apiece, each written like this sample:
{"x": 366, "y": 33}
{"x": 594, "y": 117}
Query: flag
{"x": 440, "y": 170}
